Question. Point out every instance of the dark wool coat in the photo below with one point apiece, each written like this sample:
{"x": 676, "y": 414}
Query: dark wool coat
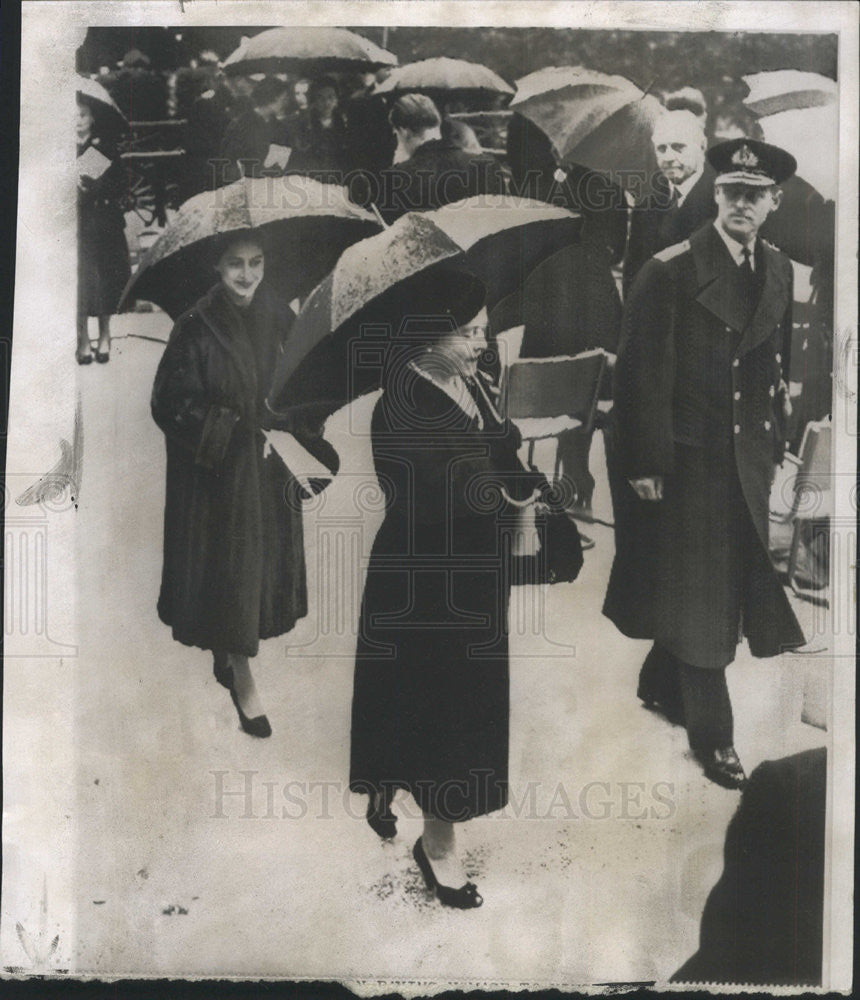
{"x": 763, "y": 922}
{"x": 697, "y": 401}
{"x": 430, "y": 703}
{"x": 234, "y": 565}
{"x": 655, "y": 223}
{"x": 103, "y": 261}
{"x": 436, "y": 174}
{"x": 245, "y": 147}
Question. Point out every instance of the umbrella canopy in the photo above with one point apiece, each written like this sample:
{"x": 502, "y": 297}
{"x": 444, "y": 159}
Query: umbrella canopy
{"x": 100, "y": 102}
{"x": 598, "y": 121}
{"x": 788, "y": 90}
{"x": 499, "y": 238}
{"x": 446, "y": 77}
{"x": 306, "y": 225}
{"x": 305, "y": 50}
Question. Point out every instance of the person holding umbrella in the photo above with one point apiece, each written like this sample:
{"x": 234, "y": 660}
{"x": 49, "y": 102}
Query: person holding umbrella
{"x": 430, "y": 693}
{"x": 103, "y": 259}
{"x": 234, "y": 570}
{"x": 430, "y": 698}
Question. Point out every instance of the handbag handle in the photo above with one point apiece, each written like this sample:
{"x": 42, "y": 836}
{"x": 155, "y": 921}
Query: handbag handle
{"x": 519, "y": 503}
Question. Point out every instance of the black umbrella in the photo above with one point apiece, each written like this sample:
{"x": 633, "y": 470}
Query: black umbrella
{"x": 329, "y": 356}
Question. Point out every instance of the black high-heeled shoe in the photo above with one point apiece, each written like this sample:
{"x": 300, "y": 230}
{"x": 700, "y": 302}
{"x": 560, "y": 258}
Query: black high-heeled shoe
{"x": 258, "y": 726}
{"x": 380, "y": 818}
{"x": 466, "y": 897}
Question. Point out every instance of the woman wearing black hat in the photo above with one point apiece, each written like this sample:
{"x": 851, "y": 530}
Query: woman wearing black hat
{"x": 234, "y": 566}
{"x": 430, "y": 703}
{"x": 103, "y": 261}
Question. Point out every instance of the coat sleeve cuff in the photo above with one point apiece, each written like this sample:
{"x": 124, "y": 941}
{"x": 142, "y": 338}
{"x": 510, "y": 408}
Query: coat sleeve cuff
{"x": 217, "y": 430}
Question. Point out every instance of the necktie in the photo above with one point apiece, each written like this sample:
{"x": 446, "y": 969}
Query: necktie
{"x": 746, "y": 264}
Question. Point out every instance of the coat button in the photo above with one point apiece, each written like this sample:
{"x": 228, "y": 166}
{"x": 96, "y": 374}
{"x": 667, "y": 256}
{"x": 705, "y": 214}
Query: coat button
{"x": 771, "y": 391}
{"x": 737, "y": 395}
{"x": 779, "y": 359}
{"x": 737, "y": 428}
{"x": 767, "y": 425}
{"x": 736, "y": 362}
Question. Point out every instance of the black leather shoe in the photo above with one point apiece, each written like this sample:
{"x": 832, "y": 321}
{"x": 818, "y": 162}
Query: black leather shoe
{"x": 258, "y": 726}
{"x": 466, "y": 897}
{"x": 84, "y": 359}
{"x": 723, "y": 767}
{"x": 379, "y": 816}
{"x": 102, "y": 357}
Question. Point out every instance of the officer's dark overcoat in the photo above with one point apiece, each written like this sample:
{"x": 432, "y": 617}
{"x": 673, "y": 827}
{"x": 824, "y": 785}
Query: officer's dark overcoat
{"x": 698, "y": 401}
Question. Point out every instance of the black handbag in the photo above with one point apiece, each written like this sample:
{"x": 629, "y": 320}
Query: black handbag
{"x": 553, "y": 548}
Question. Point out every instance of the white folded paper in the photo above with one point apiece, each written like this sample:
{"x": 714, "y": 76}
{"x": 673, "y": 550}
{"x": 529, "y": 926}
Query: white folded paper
{"x": 92, "y": 164}
{"x": 300, "y": 462}
{"x": 278, "y": 156}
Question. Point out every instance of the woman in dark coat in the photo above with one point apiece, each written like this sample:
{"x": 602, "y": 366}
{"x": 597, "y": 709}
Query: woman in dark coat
{"x": 430, "y": 703}
{"x": 103, "y": 262}
{"x": 234, "y": 569}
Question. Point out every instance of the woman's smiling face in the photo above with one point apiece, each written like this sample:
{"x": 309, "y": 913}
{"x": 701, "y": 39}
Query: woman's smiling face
{"x": 241, "y": 268}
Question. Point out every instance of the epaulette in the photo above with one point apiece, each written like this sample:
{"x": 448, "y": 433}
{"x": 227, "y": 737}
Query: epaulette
{"x": 673, "y": 251}
{"x": 207, "y": 95}
{"x": 772, "y": 246}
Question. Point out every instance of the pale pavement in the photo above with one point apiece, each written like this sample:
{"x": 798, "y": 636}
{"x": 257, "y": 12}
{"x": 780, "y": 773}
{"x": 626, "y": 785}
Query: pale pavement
{"x": 592, "y": 883}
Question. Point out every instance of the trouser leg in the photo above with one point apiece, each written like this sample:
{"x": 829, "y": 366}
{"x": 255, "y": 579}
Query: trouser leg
{"x": 659, "y": 682}
{"x": 707, "y": 708}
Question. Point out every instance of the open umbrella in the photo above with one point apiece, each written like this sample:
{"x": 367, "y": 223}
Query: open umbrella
{"x": 100, "y": 102}
{"x": 445, "y": 78}
{"x": 787, "y": 90}
{"x": 307, "y": 50}
{"x": 499, "y": 238}
{"x": 306, "y": 224}
{"x": 799, "y": 112}
{"x": 593, "y": 119}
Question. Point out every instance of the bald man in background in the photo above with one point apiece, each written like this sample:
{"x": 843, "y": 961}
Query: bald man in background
{"x": 681, "y": 197}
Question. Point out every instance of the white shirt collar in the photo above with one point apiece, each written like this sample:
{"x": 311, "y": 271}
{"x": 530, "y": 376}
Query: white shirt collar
{"x": 685, "y": 187}
{"x": 735, "y": 249}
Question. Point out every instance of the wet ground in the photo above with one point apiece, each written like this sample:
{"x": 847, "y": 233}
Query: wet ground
{"x": 197, "y": 849}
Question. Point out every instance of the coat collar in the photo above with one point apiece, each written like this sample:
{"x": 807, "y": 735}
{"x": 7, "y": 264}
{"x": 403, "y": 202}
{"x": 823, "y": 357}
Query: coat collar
{"x": 225, "y": 322}
{"x": 721, "y": 292}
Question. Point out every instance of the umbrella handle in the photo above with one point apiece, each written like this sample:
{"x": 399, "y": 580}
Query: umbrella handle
{"x": 378, "y": 215}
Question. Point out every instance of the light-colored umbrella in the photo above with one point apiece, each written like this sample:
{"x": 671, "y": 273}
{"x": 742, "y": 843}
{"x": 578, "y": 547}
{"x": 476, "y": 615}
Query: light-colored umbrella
{"x": 499, "y": 238}
{"x": 307, "y": 50}
{"x": 95, "y": 95}
{"x": 306, "y": 225}
{"x": 787, "y": 90}
{"x": 799, "y": 112}
{"x": 441, "y": 76}
{"x": 593, "y": 119}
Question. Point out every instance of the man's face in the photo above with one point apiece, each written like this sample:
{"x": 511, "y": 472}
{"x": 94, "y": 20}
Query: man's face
{"x": 742, "y": 208}
{"x": 679, "y": 155}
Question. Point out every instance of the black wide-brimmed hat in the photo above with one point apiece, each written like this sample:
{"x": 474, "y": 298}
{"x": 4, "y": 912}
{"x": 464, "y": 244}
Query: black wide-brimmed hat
{"x": 749, "y": 161}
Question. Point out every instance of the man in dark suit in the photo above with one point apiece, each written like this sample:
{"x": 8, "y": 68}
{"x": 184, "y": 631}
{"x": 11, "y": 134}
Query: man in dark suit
{"x": 682, "y": 198}
{"x": 700, "y": 385}
{"x": 429, "y": 171}
{"x": 249, "y": 136}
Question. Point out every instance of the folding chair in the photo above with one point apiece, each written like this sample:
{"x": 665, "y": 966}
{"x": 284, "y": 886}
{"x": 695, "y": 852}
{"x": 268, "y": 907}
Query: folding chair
{"x": 813, "y": 485}
{"x": 545, "y": 396}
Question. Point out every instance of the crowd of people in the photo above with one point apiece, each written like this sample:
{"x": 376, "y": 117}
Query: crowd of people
{"x": 682, "y": 290}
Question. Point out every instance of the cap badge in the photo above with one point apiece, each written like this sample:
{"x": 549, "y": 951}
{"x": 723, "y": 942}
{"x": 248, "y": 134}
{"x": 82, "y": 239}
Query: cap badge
{"x": 743, "y": 156}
